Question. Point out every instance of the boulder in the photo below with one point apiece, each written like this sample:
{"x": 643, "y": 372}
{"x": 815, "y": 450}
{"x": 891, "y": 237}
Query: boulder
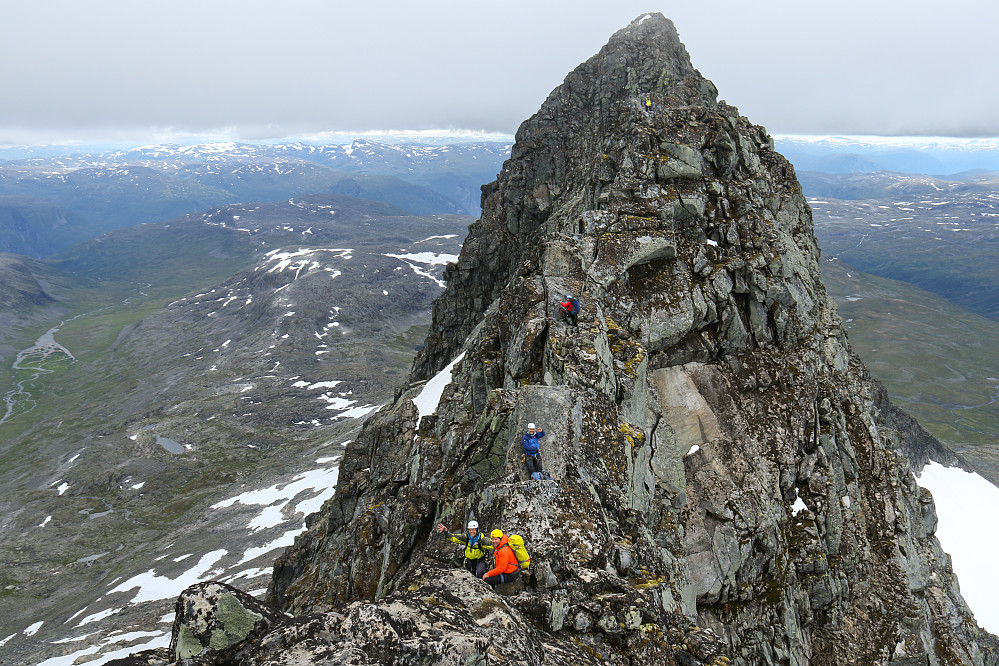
{"x": 210, "y": 618}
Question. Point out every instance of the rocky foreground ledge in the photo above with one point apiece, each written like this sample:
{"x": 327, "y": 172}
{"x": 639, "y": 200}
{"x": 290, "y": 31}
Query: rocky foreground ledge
{"x": 444, "y": 615}
{"x": 731, "y": 485}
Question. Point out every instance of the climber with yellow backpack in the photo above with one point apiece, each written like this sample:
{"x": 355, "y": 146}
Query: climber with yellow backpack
{"x": 511, "y": 557}
{"x": 523, "y": 558}
{"x": 507, "y": 567}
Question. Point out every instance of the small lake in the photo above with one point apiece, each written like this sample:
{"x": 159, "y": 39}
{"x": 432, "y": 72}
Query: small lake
{"x": 169, "y": 444}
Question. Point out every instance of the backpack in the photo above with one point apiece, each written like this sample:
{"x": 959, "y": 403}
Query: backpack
{"x": 575, "y": 305}
{"x": 517, "y": 545}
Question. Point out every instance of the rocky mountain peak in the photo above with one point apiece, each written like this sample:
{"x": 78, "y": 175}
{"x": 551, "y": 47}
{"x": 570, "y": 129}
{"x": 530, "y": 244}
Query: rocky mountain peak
{"x": 644, "y": 58}
{"x": 560, "y": 159}
{"x": 729, "y": 481}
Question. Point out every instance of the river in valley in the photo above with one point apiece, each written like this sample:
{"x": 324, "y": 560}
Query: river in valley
{"x": 18, "y": 400}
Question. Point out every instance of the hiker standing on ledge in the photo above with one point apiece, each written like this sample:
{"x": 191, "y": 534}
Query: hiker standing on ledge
{"x": 532, "y": 448}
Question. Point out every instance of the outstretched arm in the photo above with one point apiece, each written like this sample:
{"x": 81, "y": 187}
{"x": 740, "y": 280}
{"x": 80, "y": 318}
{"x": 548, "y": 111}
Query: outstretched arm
{"x": 456, "y": 538}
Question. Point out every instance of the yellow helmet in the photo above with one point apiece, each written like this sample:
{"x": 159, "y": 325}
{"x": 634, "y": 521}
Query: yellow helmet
{"x": 496, "y": 534}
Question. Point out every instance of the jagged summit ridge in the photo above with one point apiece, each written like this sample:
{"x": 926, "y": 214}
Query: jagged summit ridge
{"x": 557, "y": 161}
{"x": 645, "y": 57}
{"x": 727, "y": 481}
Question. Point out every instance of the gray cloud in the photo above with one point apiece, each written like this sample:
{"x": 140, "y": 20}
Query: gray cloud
{"x": 108, "y": 67}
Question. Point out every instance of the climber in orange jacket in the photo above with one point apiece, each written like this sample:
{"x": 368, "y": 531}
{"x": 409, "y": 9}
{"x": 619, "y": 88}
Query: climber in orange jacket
{"x": 507, "y": 567}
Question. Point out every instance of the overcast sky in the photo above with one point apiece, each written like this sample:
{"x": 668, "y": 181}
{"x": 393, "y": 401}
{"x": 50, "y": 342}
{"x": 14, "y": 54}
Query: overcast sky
{"x": 117, "y": 69}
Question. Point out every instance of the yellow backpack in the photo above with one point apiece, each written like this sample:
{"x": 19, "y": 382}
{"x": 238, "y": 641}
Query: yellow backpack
{"x": 517, "y": 545}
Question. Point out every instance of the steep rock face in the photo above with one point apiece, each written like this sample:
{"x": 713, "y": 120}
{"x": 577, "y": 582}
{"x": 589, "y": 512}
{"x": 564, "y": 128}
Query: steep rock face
{"x": 719, "y": 453}
{"x": 559, "y": 160}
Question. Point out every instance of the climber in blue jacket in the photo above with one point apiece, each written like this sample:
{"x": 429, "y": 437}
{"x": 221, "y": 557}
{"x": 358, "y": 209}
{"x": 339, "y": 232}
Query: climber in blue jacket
{"x": 532, "y": 448}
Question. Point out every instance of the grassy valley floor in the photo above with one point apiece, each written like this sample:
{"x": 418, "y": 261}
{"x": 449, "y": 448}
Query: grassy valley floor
{"x": 939, "y": 361}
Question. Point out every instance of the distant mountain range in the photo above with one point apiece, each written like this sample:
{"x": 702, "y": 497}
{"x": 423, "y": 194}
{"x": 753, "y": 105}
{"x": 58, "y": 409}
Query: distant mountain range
{"x": 47, "y": 203}
{"x": 859, "y": 154}
{"x": 938, "y": 234}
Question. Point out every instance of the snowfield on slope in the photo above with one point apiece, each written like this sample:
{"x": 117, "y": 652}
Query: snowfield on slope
{"x": 966, "y": 507}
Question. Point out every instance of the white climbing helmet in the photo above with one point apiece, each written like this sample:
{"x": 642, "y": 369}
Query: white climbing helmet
{"x": 531, "y": 426}
{"x": 473, "y": 525}
{"x": 568, "y": 297}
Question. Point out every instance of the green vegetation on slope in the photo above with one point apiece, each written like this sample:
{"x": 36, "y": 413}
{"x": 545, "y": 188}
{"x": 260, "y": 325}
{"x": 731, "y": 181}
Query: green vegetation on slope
{"x": 939, "y": 361}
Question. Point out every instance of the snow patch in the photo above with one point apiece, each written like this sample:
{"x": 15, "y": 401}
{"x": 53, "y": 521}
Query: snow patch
{"x": 357, "y": 412}
{"x": 430, "y": 396}
{"x": 318, "y": 483}
{"x": 160, "y": 639}
{"x": 446, "y": 236}
{"x": 966, "y": 502}
{"x": 430, "y": 258}
{"x": 249, "y": 573}
{"x": 96, "y": 617}
{"x": 269, "y": 517}
{"x": 72, "y": 640}
{"x": 336, "y": 402}
{"x": 153, "y": 587}
{"x": 283, "y": 541}
{"x": 323, "y": 385}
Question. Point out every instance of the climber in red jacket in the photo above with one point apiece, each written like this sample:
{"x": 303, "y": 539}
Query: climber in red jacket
{"x": 569, "y": 309}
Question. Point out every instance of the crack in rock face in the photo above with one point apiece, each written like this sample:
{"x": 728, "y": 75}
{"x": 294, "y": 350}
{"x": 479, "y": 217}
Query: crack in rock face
{"x": 704, "y": 422}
